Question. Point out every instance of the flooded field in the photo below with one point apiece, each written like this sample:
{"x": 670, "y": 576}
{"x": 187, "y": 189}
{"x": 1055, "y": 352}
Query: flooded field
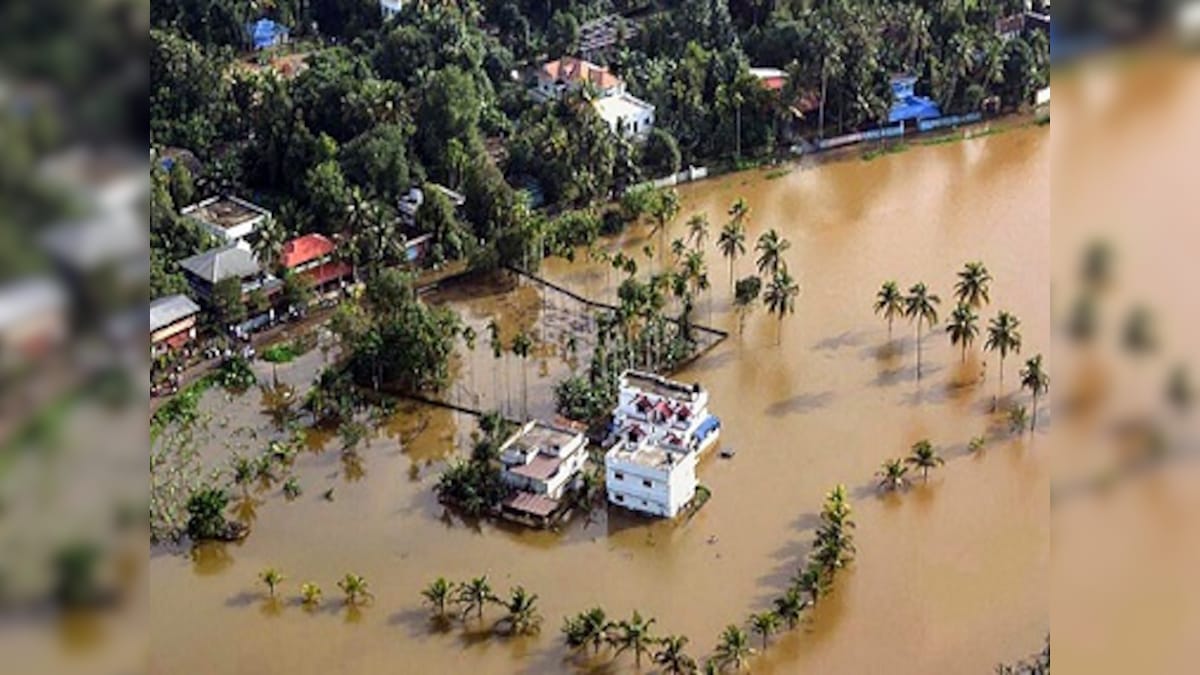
{"x": 951, "y": 576}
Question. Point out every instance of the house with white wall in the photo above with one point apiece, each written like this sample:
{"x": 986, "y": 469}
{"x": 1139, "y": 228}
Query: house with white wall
{"x": 541, "y": 462}
{"x": 648, "y": 478}
{"x": 625, "y": 114}
{"x": 671, "y": 413}
{"x": 229, "y": 219}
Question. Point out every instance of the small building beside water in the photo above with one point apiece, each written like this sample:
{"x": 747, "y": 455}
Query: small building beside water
{"x": 541, "y": 462}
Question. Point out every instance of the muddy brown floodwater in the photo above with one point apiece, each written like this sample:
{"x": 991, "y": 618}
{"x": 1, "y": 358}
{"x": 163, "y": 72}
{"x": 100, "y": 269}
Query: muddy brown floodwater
{"x": 951, "y": 576}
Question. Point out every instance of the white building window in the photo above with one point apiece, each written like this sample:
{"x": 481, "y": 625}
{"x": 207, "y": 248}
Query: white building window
{"x": 617, "y": 475}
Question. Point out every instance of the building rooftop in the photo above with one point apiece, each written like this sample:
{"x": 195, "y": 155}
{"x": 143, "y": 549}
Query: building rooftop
{"x": 771, "y": 78}
{"x": 648, "y": 455}
{"x": 167, "y": 310}
{"x": 222, "y": 263}
{"x": 534, "y": 504}
{"x": 541, "y": 467}
{"x": 306, "y": 249}
{"x": 224, "y": 212}
{"x": 659, "y": 385}
{"x": 625, "y": 106}
{"x": 576, "y": 70}
{"x": 22, "y": 301}
{"x": 542, "y": 437}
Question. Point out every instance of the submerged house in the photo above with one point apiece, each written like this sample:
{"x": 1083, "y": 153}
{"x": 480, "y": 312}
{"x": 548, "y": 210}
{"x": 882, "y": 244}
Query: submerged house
{"x": 541, "y": 463}
{"x": 172, "y": 323}
{"x": 661, "y": 427}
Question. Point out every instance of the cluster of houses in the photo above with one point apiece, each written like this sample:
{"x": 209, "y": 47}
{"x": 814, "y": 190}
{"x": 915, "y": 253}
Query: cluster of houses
{"x": 660, "y": 429}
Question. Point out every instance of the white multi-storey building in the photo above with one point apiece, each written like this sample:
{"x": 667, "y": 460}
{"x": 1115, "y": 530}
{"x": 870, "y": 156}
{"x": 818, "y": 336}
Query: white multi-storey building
{"x": 541, "y": 461}
{"x": 670, "y": 413}
{"x": 643, "y": 476}
{"x": 661, "y": 427}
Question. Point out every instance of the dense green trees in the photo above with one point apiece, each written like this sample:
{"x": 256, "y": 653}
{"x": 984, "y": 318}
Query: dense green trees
{"x": 397, "y": 340}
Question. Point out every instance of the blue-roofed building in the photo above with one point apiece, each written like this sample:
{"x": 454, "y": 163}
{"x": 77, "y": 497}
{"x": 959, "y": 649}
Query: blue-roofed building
{"x": 266, "y": 33}
{"x": 906, "y": 105}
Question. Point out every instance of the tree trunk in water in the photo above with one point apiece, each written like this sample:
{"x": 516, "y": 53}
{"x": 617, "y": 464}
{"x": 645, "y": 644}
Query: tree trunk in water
{"x": 1033, "y": 422}
{"x": 918, "y": 350}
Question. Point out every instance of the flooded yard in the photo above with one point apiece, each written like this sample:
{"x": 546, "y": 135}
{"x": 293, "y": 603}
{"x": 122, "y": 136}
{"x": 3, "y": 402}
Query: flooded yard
{"x": 951, "y": 576}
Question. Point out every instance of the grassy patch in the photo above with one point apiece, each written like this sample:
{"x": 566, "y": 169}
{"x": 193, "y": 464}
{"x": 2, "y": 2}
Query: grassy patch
{"x": 282, "y": 352}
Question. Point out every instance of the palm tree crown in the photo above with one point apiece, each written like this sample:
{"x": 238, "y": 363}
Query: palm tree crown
{"x": 437, "y": 594}
{"x": 697, "y": 230}
{"x": 924, "y": 457}
{"x": 1004, "y": 336}
{"x": 634, "y": 634}
{"x": 1036, "y": 381}
{"x": 973, "y": 285}
{"x": 733, "y": 648}
{"x": 889, "y": 303}
{"x": 770, "y": 248}
{"x": 672, "y": 657}
{"x": 780, "y": 298}
{"x": 963, "y": 327}
{"x": 892, "y": 474}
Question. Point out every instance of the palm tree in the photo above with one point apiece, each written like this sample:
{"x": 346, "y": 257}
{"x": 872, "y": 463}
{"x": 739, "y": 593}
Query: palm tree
{"x": 973, "y": 285}
{"x": 765, "y": 624}
{"x": 474, "y": 596}
{"x": 924, "y": 457}
{"x": 523, "y": 617}
{"x": 732, "y": 242}
{"x": 812, "y": 582}
{"x": 780, "y": 298}
{"x": 497, "y": 352}
{"x": 921, "y": 305}
{"x": 678, "y": 248}
{"x": 892, "y": 474}
{"x": 437, "y": 594}
{"x": 310, "y": 594}
{"x": 1004, "y": 336}
{"x": 733, "y": 648}
{"x": 355, "y": 588}
{"x": 272, "y": 578}
{"x": 889, "y": 303}
{"x": 590, "y": 627}
{"x": 789, "y": 606}
{"x": 633, "y": 634}
{"x": 672, "y": 658}
{"x": 1037, "y": 381}
{"x": 770, "y": 248}
{"x": 521, "y": 346}
{"x": 269, "y": 244}
{"x": 663, "y": 209}
{"x": 697, "y": 230}
{"x": 963, "y": 327}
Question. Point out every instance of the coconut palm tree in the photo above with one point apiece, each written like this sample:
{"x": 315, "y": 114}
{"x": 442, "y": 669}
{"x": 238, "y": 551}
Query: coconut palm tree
{"x": 272, "y": 578}
{"x": 811, "y": 581}
{"x": 963, "y": 327}
{"x": 771, "y": 247}
{"x": 678, "y": 249}
{"x": 354, "y": 586}
{"x": 269, "y": 243}
{"x": 522, "y": 617}
{"x": 889, "y": 303}
{"x": 780, "y": 298}
{"x": 310, "y": 594}
{"x": 590, "y": 627}
{"x": 437, "y": 595}
{"x": 474, "y": 596}
{"x": 663, "y": 209}
{"x": 521, "y": 347}
{"x": 924, "y": 457}
{"x": 921, "y": 305}
{"x": 733, "y": 648}
{"x": 1035, "y": 379}
{"x": 1004, "y": 336}
{"x": 790, "y": 606}
{"x": 672, "y": 658}
{"x": 892, "y": 474}
{"x": 697, "y": 230}
{"x": 732, "y": 242}
{"x": 973, "y": 285}
{"x": 633, "y": 634}
{"x": 764, "y": 624}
